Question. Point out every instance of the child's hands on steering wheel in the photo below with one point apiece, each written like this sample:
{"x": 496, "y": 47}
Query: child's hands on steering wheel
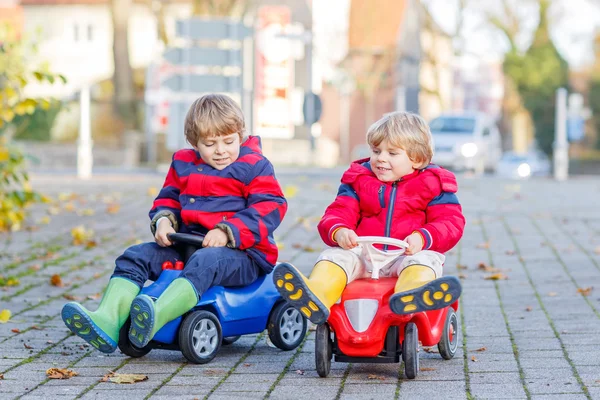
{"x": 346, "y": 238}
{"x": 215, "y": 238}
{"x": 415, "y": 243}
{"x": 160, "y": 237}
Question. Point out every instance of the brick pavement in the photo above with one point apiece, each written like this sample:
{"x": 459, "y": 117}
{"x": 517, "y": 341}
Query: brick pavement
{"x": 531, "y": 336}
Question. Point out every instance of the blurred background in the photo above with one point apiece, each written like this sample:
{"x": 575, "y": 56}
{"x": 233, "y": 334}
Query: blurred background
{"x": 107, "y": 83}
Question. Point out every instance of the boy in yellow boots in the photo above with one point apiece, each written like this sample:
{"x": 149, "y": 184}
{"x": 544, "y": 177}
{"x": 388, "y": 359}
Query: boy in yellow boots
{"x": 223, "y": 188}
{"x": 395, "y": 193}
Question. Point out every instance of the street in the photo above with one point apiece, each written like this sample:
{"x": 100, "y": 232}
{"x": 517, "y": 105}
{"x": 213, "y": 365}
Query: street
{"x": 529, "y": 262}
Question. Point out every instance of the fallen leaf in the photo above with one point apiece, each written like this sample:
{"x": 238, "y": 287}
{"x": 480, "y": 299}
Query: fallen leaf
{"x": 113, "y": 208}
{"x": 49, "y": 342}
{"x": 462, "y": 276}
{"x": 1, "y": 376}
{"x": 290, "y": 191}
{"x": 280, "y": 246}
{"x": 487, "y": 268}
{"x": 56, "y": 280}
{"x": 426, "y": 369}
{"x": 485, "y": 245}
{"x": 597, "y": 250}
{"x": 510, "y": 252}
{"x": 373, "y": 376}
{"x": 461, "y": 266}
{"x": 528, "y": 308}
{"x": 496, "y": 277}
{"x": 247, "y": 364}
{"x": 86, "y": 211}
{"x": 71, "y": 297}
{"x": 37, "y": 328}
{"x": 81, "y": 235}
{"x": 69, "y": 207}
{"x": 126, "y": 378}
{"x": 552, "y": 294}
{"x": 15, "y": 330}
{"x": 585, "y": 292}
{"x": 44, "y": 220}
{"x": 299, "y": 372}
{"x": 35, "y": 267}
{"x": 481, "y": 349}
{"x": 93, "y": 296}
{"x": 152, "y": 191}
{"x": 27, "y": 346}
{"x": 429, "y": 350}
{"x": 5, "y": 316}
{"x": 60, "y": 373}
{"x": 473, "y": 359}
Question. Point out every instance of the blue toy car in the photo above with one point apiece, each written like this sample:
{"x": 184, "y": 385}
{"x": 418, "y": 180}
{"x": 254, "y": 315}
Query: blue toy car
{"x": 221, "y": 316}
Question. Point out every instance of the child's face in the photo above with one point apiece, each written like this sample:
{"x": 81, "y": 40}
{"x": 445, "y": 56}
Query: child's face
{"x": 390, "y": 163}
{"x": 219, "y": 151}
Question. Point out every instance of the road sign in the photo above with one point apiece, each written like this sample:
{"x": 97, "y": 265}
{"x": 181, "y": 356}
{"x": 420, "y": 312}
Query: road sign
{"x": 204, "y": 83}
{"x": 312, "y": 108}
{"x": 575, "y": 128}
{"x": 206, "y": 56}
{"x": 200, "y": 28}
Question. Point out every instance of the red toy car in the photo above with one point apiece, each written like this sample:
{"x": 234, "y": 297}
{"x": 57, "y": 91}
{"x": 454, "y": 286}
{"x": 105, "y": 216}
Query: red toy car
{"x": 362, "y": 327}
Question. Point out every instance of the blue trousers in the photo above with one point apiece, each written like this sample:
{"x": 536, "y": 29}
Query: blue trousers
{"x": 207, "y": 267}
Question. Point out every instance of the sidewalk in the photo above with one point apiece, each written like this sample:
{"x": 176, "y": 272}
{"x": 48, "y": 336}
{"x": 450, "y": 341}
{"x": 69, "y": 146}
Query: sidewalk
{"x": 530, "y": 336}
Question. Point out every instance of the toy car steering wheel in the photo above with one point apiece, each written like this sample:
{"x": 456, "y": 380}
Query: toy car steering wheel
{"x": 186, "y": 238}
{"x": 380, "y": 258}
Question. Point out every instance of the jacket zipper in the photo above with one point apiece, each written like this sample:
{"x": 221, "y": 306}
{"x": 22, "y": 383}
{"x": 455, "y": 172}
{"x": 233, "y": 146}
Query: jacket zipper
{"x": 388, "y": 222}
{"x": 382, "y": 196}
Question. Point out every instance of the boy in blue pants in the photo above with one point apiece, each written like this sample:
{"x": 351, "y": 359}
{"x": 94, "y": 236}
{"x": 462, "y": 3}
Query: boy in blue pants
{"x": 223, "y": 188}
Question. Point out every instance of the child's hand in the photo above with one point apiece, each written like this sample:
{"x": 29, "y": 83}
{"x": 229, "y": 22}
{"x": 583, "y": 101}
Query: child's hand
{"x": 415, "y": 243}
{"x": 162, "y": 229}
{"x": 215, "y": 238}
{"x": 346, "y": 238}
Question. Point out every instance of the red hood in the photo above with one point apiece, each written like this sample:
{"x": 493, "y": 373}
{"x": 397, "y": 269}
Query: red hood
{"x": 253, "y": 142}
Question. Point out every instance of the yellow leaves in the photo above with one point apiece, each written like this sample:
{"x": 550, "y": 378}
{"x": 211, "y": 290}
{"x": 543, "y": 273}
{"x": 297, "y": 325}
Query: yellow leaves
{"x": 8, "y": 281}
{"x": 86, "y": 211}
{"x": 152, "y": 191}
{"x": 5, "y": 316}
{"x": 496, "y": 277}
{"x": 81, "y": 235}
{"x": 45, "y": 220}
{"x": 56, "y": 280}
{"x": 60, "y": 373}
{"x": 4, "y": 154}
{"x": 123, "y": 378}
{"x": 113, "y": 208}
{"x": 585, "y": 292}
{"x": 290, "y": 191}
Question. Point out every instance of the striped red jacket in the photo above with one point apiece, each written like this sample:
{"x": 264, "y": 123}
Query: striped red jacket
{"x": 244, "y": 199}
{"x": 424, "y": 201}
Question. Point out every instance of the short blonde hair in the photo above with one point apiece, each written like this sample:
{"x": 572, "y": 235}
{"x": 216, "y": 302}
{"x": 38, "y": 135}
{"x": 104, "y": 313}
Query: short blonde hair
{"x": 407, "y": 131}
{"x": 213, "y": 115}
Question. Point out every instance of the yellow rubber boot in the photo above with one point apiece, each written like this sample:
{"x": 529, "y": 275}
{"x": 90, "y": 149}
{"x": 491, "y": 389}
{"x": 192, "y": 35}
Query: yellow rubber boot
{"x": 315, "y": 295}
{"x": 417, "y": 290}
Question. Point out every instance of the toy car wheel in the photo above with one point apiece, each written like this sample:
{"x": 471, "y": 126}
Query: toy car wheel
{"x": 323, "y": 349}
{"x": 449, "y": 341}
{"x": 287, "y": 327}
{"x": 125, "y": 345}
{"x": 410, "y": 350}
{"x": 229, "y": 340}
{"x": 200, "y": 336}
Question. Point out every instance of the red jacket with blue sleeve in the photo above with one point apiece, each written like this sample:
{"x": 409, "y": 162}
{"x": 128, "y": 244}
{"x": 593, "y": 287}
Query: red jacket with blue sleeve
{"x": 244, "y": 200}
{"x": 424, "y": 201}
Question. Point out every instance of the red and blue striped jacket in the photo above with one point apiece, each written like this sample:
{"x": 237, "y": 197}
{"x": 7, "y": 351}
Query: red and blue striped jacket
{"x": 424, "y": 201}
{"x": 244, "y": 199}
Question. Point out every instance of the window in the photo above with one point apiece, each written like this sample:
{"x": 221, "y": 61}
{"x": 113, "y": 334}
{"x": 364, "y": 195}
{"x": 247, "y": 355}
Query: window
{"x": 452, "y": 125}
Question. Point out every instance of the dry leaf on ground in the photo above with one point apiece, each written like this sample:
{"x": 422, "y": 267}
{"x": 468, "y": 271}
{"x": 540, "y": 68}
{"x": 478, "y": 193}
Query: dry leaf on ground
{"x": 426, "y": 369}
{"x": 461, "y": 266}
{"x": 429, "y": 350}
{"x": 1, "y": 376}
{"x": 473, "y": 359}
{"x": 28, "y": 347}
{"x": 481, "y": 349}
{"x": 5, "y": 316}
{"x": 373, "y": 376}
{"x": 485, "y": 245}
{"x": 56, "y": 280}
{"x": 15, "y": 330}
{"x": 113, "y": 208}
{"x": 123, "y": 378}
{"x": 299, "y": 372}
{"x": 152, "y": 191}
{"x": 60, "y": 373}
{"x": 528, "y": 308}
{"x": 496, "y": 277}
{"x": 290, "y": 191}
{"x": 585, "y": 292}
{"x": 552, "y": 294}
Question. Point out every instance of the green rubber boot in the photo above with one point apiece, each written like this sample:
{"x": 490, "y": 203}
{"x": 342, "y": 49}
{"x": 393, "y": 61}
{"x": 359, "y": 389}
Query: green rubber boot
{"x": 101, "y": 328}
{"x": 147, "y": 316}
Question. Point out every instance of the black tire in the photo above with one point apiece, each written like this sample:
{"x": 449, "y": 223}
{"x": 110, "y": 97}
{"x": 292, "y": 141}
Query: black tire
{"x": 125, "y": 345}
{"x": 449, "y": 340}
{"x": 287, "y": 326}
{"x": 323, "y": 350}
{"x": 410, "y": 350}
{"x": 200, "y": 336}
{"x": 230, "y": 340}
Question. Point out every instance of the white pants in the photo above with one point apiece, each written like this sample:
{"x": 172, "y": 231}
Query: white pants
{"x": 357, "y": 267}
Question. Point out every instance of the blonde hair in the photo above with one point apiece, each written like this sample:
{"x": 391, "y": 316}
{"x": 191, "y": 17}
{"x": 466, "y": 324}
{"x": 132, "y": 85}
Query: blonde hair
{"x": 213, "y": 115}
{"x": 407, "y": 131}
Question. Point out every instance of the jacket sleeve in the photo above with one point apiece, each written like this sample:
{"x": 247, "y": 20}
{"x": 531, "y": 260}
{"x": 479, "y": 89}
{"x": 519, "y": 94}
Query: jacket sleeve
{"x": 445, "y": 222}
{"x": 344, "y": 212}
{"x": 265, "y": 211}
{"x": 167, "y": 202}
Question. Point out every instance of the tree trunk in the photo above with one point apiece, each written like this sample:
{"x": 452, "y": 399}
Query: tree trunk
{"x": 124, "y": 90}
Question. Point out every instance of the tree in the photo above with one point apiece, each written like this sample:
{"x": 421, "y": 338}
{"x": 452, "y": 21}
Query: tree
{"x": 15, "y": 74}
{"x": 124, "y": 89}
{"x": 594, "y": 91}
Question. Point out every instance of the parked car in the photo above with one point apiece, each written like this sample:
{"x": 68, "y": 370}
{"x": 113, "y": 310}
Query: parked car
{"x": 515, "y": 165}
{"x": 466, "y": 141}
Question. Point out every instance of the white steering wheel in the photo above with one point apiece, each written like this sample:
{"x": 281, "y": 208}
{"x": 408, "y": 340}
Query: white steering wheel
{"x": 380, "y": 258}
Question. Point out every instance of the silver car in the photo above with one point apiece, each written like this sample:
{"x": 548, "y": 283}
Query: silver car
{"x": 466, "y": 141}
